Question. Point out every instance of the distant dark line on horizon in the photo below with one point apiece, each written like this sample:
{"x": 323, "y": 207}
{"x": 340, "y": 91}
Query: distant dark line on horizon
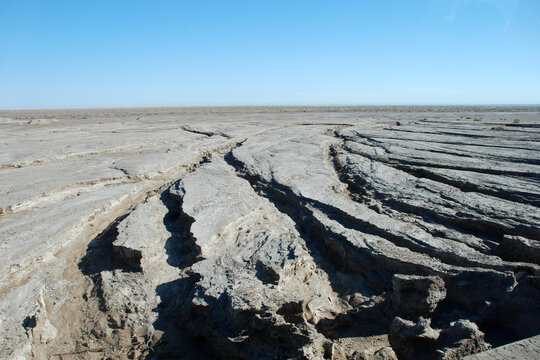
{"x": 272, "y": 106}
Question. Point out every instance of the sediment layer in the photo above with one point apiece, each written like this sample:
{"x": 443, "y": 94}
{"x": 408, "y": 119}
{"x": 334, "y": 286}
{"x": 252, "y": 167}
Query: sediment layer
{"x": 339, "y": 233}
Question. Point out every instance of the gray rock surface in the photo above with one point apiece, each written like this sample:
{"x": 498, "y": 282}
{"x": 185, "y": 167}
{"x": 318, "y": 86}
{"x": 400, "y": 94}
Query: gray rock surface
{"x": 419, "y": 340}
{"x": 417, "y": 295}
{"x": 253, "y": 233}
{"x": 519, "y": 350}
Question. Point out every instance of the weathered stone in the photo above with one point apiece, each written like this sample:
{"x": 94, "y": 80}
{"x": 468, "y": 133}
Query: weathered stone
{"x": 418, "y": 340}
{"x": 518, "y": 248}
{"x": 461, "y": 338}
{"x": 386, "y": 353}
{"x": 412, "y": 340}
{"x": 417, "y": 295}
{"x": 520, "y": 350}
{"x": 267, "y": 232}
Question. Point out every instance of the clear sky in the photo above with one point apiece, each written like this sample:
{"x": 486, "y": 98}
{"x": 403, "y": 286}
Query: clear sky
{"x": 77, "y": 53}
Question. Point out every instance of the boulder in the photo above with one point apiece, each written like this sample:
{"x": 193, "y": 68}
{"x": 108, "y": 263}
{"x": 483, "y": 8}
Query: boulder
{"x": 417, "y": 295}
{"x": 412, "y": 340}
{"x": 460, "y": 339}
{"x": 418, "y": 340}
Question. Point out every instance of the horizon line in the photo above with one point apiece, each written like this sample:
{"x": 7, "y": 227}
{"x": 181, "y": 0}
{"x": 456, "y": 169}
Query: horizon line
{"x": 269, "y": 105}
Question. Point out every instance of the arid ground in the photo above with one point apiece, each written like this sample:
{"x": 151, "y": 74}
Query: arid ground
{"x": 269, "y": 233}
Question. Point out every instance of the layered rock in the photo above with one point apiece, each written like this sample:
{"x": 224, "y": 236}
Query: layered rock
{"x": 268, "y": 233}
{"x": 417, "y": 295}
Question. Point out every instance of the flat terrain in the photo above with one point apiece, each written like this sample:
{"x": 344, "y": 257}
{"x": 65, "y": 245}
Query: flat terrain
{"x": 268, "y": 233}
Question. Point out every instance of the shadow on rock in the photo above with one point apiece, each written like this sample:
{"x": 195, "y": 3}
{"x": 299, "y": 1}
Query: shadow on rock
{"x": 100, "y": 253}
{"x": 182, "y": 252}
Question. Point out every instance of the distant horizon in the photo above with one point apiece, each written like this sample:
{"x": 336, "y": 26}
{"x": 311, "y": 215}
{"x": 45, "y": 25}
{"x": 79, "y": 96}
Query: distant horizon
{"x": 107, "y": 54}
{"x": 270, "y": 105}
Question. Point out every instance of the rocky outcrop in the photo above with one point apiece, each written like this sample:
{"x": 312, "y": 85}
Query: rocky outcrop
{"x": 419, "y": 340}
{"x": 524, "y": 349}
{"x": 417, "y": 295}
{"x": 268, "y": 233}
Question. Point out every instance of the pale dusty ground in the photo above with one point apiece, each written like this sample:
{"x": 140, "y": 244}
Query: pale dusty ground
{"x": 122, "y": 229}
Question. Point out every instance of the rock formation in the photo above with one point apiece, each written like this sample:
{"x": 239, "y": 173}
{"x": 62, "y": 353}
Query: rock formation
{"x": 268, "y": 233}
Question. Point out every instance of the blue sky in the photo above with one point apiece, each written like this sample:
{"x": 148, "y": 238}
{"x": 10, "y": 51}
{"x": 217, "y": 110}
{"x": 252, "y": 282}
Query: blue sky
{"x": 173, "y": 53}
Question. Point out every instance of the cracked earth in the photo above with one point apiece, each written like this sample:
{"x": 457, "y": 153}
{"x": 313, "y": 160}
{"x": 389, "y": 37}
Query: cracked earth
{"x": 268, "y": 233}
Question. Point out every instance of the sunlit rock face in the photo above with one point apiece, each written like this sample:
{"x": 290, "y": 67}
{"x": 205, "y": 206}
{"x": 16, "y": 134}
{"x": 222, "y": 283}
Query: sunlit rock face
{"x": 268, "y": 233}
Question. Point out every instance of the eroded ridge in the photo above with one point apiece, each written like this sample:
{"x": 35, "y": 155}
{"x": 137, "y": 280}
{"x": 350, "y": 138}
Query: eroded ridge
{"x": 301, "y": 235}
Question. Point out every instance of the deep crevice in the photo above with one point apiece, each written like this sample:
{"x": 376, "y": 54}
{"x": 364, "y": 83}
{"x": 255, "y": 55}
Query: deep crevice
{"x": 182, "y": 252}
{"x": 376, "y": 268}
{"x": 450, "y": 142}
{"x": 216, "y": 329}
{"x": 320, "y": 240}
{"x": 100, "y": 255}
{"x": 491, "y": 231}
{"x": 517, "y": 196}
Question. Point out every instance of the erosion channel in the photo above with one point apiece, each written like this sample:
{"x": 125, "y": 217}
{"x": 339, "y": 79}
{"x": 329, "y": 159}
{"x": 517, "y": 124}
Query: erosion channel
{"x": 269, "y": 233}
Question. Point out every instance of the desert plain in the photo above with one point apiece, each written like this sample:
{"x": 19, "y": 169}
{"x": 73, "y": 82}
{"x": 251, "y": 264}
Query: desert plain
{"x": 270, "y": 233}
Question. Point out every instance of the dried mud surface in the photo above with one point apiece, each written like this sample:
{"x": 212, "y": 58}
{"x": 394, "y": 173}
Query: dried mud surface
{"x": 269, "y": 233}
